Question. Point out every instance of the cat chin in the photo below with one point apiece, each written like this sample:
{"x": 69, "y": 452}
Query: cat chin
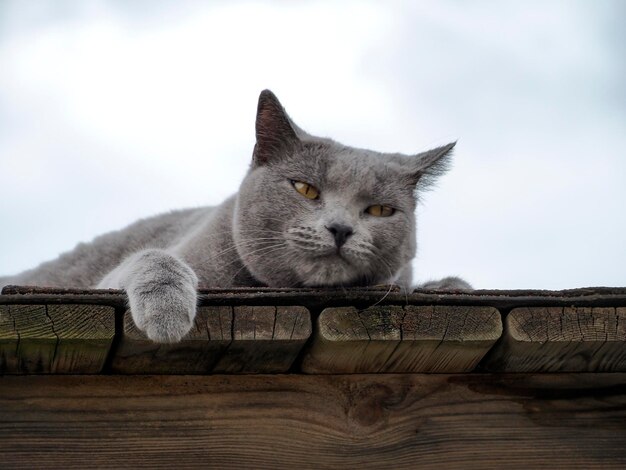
{"x": 329, "y": 272}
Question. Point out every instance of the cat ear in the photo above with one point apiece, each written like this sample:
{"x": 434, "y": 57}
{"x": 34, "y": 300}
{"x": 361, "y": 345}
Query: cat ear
{"x": 274, "y": 130}
{"x": 430, "y": 165}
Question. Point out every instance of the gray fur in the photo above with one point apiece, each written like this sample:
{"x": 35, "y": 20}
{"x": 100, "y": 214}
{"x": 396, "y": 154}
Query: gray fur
{"x": 447, "y": 284}
{"x": 267, "y": 234}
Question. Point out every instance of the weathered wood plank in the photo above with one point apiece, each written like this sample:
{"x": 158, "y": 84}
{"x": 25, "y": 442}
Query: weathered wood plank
{"x": 63, "y": 339}
{"x": 297, "y": 421}
{"x": 9, "y": 340}
{"x": 197, "y": 353}
{"x": 402, "y": 339}
{"x": 318, "y": 298}
{"x": 37, "y": 341}
{"x": 561, "y": 339}
{"x": 85, "y": 334}
{"x": 224, "y": 339}
{"x": 265, "y": 339}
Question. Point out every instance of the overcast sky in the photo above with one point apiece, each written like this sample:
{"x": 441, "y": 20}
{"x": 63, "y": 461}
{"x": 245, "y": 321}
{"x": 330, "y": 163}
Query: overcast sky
{"x": 114, "y": 110}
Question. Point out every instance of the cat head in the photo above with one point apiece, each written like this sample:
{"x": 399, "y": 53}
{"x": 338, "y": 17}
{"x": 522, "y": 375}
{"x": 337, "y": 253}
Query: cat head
{"x": 314, "y": 212}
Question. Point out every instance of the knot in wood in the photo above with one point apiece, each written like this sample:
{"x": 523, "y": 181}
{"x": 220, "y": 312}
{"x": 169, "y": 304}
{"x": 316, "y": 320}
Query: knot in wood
{"x": 370, "y": 405}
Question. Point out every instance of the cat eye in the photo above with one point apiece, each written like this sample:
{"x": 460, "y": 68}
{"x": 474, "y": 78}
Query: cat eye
{"x": 380, "y": 210}
{"x": 307, "y": 190}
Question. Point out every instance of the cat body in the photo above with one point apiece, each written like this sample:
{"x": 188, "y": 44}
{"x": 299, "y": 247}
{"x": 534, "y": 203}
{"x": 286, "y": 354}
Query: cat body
{"x": 310, "y": 212}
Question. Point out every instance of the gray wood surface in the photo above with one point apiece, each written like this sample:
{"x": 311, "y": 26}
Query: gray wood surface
{"x": 63, "y": 339}
{"x": 318, "y": 298}
{"x": 401, "y": 339}
{"x": 224, "y": 339}
{"x": 265, "y": 339}
{"x": 197, "y": 353}
{"x": 60, "y": 337}
{"x": 562, "y": 339}
{"x": 9, "y": 341}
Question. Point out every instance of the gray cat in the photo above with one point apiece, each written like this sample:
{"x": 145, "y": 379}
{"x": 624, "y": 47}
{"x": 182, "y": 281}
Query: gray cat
{"x": 310, "y": 212}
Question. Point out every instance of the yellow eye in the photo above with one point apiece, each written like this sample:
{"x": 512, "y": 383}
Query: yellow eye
{"x": 308, "y": 191}
{"x": 380, "y": 211}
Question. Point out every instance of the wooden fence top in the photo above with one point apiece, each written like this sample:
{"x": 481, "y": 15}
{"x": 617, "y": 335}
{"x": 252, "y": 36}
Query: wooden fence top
{"x": 320, "y": 331}
{"x": 359, "y": 389}
{"x": 320, "y": 298}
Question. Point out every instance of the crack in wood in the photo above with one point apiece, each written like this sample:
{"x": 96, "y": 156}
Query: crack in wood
{"x": 56, "y": 344}
{"x": 577, "y": 340}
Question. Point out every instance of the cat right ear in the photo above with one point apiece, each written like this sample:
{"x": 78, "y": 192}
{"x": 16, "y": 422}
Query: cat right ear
{"x": 428, "y": 166}
{"x": 274, "y": 132}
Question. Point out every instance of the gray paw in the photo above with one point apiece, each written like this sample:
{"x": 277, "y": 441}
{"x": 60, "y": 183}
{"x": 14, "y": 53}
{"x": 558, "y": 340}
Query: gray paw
{"x": 447, "y": 283}
{"x": 163, "y": 299}
{"x": 165, "y": 321}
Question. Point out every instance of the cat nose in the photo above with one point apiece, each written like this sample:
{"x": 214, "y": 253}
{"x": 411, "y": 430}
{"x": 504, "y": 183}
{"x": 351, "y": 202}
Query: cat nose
{"x": 340, "y": 232}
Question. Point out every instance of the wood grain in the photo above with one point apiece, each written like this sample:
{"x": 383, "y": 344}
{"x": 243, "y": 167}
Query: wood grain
{"x": 64, "y": 339}
{"x": 265, "y": 339}
{"x": 298, "y": 421}
{"x": 224, "y": 339}
{"x": 9, "y": 340}
{"x": 318, "y": 298}
{"x": 85, "y": 334}
{"x": 197, "y": 353}
{"x": 402, "y": 339}
{"x": 562, "y": 339}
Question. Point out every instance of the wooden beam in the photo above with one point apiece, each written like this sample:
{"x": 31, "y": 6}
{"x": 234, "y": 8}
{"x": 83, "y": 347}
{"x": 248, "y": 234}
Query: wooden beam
{"x": 402, "y": 339}
{"x": 224, "y": 339}
{"x": 265, "y": 339}
{"x": 197, "y": 353}
{"x": 62, "y": 339}
{"x": 9, "y": 340}
{"x": 318, "y": 298}
{"x": 562, "y": 339}
{"x": 297, "y": 421}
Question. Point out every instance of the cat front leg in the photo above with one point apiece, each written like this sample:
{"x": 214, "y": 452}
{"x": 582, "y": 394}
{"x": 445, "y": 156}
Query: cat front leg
{"x": 161, "y": 291}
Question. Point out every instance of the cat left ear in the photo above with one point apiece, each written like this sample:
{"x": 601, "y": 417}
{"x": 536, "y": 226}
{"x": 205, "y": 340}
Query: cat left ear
{"x": 274, "y": 132}
{"x": 430, "y": 165}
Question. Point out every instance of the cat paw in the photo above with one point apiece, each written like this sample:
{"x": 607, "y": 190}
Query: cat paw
{"x": 452, "y": 283}
{"x": 165, "y": 320}
{"x": 163, "y": 298}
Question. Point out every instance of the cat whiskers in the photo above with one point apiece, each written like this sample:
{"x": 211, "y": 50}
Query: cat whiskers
{"x": 307, "y": 239}
{"x": 385, "y": 264}
{"x": 246, "y": 243}
{"x": 250, "y": 231}
{"x": 263, "y": 251}
{"x": 286, "y": 256}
